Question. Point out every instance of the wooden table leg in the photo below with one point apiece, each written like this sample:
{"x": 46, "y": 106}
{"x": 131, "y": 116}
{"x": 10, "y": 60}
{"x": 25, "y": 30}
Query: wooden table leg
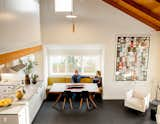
{"x": 87, "y": 101}
{"x": 70, "y": 102}
{"x": 94, "y": 104}
{"x": 57, "y": 100}
{"x": 81, "y": 103}
{"x": 64, "y": 102}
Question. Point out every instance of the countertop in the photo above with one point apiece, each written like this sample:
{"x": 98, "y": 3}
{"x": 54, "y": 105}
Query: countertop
{"x": 11, "y": 110}
{"x": 17, "y": 105}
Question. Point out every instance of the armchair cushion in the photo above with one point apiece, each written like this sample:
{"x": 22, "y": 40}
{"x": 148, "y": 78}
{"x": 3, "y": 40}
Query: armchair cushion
{"x": 136, "y": 102}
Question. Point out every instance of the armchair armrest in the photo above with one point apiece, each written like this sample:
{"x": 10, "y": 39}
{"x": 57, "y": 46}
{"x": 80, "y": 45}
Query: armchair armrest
{"x": 158, "y": 109}
{"x": 146, "y": 100}
{"x": 147, "y": 97}
{"x": 129, "y": 94}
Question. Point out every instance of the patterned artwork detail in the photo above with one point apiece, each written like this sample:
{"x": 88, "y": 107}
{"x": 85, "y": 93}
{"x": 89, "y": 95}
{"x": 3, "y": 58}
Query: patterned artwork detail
{"x": 132, "y": 58}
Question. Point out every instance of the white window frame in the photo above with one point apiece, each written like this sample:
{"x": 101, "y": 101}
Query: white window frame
{"x": 51, "y": 73}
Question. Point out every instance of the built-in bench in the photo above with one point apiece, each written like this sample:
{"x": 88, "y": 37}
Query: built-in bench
{"x": 52, "y": 80}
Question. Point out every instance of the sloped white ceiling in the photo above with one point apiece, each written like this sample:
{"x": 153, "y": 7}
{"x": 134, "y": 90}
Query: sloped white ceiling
{"x": 95, "y": 18}
{"x": 19, "y": 24}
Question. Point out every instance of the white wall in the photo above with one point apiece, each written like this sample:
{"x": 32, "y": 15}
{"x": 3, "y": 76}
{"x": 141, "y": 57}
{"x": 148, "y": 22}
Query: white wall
{"x": 155, "y": 63}
{"x": 98, "y": 24}
{"x": 19, "y": 24}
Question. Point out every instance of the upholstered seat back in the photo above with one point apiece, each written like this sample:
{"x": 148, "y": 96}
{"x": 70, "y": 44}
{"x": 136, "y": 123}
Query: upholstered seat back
{"x": 138, "y": 94}
{"x": 52, "y": 80}
{"x": 86, "y": 80}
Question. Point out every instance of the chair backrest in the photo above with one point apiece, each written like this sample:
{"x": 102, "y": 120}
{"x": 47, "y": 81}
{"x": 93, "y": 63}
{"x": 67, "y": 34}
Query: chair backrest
{"x": 139, "y": 94}
{"x": 67, "y": 94}
{"x": 84, "y": 94}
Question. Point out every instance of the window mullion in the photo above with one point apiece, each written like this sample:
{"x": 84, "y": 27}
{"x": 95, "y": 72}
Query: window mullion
{"x": 66, "y": 67}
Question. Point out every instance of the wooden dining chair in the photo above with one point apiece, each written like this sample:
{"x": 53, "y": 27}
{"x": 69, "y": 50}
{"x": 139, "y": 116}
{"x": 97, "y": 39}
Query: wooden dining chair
{"x": 57, "y": 100}
{"x": 86, "y": 96}
{"x": 67, "y": 97}
{"x": 92, "y": 101}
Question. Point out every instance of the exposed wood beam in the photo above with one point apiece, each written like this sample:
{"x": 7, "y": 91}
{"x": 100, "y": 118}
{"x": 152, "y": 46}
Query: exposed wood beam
{"x": 158, "y": 1}
{"x": 139, "y": 15}
{"x": 8, "y": 57}
{"x": 143, "y": 9}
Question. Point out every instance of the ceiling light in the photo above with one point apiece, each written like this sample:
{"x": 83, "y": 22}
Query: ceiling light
{"x": 71, "y": 16}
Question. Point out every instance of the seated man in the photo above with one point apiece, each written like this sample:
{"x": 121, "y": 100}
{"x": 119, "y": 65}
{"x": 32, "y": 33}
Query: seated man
{"x": 77, "y": 77}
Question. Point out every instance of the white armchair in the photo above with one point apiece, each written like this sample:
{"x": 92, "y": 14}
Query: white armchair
{"x": 137, "y": 100}
{"x": 158, "y": 115}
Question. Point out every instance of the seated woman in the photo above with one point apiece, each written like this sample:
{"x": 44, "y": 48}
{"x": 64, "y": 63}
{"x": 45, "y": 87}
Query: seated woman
{"x": 98, "y": 80}
{"x": 77, "y": 77}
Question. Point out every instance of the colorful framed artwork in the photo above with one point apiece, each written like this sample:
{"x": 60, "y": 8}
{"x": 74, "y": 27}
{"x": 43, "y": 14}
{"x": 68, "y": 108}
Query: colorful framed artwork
{"x": 132, "y": 58}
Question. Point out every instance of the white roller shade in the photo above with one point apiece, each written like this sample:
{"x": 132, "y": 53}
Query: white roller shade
{"x": 74, "y": 52}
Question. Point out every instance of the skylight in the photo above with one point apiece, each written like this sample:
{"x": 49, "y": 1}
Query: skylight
{"x": 63, "y": 5}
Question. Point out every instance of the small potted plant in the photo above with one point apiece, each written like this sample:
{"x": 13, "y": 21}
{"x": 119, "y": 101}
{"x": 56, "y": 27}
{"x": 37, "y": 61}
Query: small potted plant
{"x": 34, "y": 78}
{"x": 28, "y": 70}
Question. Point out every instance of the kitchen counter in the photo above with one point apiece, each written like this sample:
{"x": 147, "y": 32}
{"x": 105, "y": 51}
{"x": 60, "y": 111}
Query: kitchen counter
{"x": 11, "y": 110}
{"x": 17, "y": 105}
{"x": 23, "y": 111}
{"x": 30, "y": 90}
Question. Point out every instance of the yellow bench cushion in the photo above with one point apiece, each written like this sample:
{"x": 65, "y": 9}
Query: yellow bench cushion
{"x": 68, "y": 80}
{"x": 86, "y": 80}
{"x": 52, "y": 80}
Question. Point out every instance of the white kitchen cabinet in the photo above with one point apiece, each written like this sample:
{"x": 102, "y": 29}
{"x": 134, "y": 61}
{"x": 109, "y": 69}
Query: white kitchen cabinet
{"x": 18, "y": 116}
{"x": 25, "y": 110}
{"x": 35, "y": 102}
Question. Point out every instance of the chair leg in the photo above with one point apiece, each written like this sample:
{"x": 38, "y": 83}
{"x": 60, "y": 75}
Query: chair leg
{"x": 81, "y": 103}
{"x": 87, "y": 101}
{"x": 70, "y": 102}
{"x": 94, "y": 104}
{"x": 57, "y": 100}
{"x": 64, "y": 102}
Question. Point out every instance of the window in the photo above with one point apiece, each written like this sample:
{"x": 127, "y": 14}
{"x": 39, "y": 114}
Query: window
{"x": 25, "y": 59}
{"x": 57, "y": 64}
{"x": 63, "y": 5}
{"x": 91, "y": 64}
{"x": 65, "y": 65}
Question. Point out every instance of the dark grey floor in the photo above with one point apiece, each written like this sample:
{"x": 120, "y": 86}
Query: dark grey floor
{"x": 110, "y": 112}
